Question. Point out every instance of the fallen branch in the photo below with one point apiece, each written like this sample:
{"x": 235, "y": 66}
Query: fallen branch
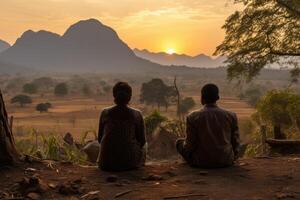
{"x": 185, "y": 195}
{"x": 123, "y": 193}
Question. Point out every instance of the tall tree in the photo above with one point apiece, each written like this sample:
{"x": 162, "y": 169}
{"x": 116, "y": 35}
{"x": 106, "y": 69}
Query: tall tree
{"x": 264, "y": 32}
{"x": 8, "y": 152}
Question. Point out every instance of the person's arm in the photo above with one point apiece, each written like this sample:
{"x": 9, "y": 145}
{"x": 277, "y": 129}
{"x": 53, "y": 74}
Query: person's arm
{"x": 235, "y": 137}
{"x": 101, "y": 126}
{"x": 191, "y": 136}
{"x": 140, "y": 130}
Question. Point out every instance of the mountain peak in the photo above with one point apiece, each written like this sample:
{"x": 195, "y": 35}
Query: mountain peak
{"x": 85, "y": 28}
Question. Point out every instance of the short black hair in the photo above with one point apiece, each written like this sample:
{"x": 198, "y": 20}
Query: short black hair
{"x": 122, "y": 93}
{"x": 210, "y": 93}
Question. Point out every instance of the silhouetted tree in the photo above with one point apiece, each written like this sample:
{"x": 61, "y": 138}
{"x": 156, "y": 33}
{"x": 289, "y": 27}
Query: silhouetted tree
{"x": 264, "y": 32}
{"x": 186, "y": 105}
{"x": 30, "y": 88}
{"x": 21, "y": 99}
{"x": 156, "y": 92}
{"x": 61, "y": 89}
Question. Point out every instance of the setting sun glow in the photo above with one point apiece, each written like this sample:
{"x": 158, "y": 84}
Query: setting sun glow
{"x": 170, "y": 51}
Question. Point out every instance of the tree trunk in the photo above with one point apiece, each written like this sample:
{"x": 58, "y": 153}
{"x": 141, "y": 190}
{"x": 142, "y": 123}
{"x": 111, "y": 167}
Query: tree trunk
{"x": 278, "y": 134}
{"x": 8, "y": 152}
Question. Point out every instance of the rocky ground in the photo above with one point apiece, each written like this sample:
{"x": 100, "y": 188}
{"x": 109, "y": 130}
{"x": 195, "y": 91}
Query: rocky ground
{"x": 253, "y": 179}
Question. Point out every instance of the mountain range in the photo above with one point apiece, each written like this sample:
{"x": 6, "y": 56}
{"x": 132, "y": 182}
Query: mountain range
{"x": 3, "y": 45}
{"x": 200, "y": 61}
{"x": 86, "y": 46}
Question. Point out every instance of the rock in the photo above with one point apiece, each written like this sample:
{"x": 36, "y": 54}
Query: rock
{"x": 71, "y": 188}
{"x": 203, "y": 173}
{"x": 200, "y": 182}
{"x": 92, "y": 150}
{"x": 111, "y": 179}
{"x": 32, "y": 185}
{"x": 68, "y": 138}
{"x": 33, "y": 196}
{"x": 153, "y": 177}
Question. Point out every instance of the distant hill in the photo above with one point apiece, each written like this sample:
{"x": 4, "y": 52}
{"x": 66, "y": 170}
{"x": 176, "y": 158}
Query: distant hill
{"x": 87, "y": 46}
{"x": 3, "y": 45}
{"x": 200, "y": 61}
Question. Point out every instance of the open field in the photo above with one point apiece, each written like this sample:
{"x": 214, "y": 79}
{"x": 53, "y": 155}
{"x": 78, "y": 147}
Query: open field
{"x": 79, "y": 114}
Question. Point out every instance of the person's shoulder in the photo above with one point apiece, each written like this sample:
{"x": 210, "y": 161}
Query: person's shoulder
{"x": 227, "y": 112}
{"x": 195, "y": 114}
{"x": 107, "y": 109}
{"x": 135, "y": 111}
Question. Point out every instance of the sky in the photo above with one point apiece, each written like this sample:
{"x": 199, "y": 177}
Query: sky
{"x": 182, "y": 26}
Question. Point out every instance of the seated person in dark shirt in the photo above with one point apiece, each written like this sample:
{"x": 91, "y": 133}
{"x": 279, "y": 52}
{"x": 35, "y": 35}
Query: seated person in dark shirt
{"x": 121, "y": 133}
{"x": 212, "y": 134}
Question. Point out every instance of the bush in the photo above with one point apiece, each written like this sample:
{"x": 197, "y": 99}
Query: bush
{"x": 61, "y": 89}
{"x": 43, "y": 107}
{"x": 152, "y": 121}
{"x": 30, "y": 88}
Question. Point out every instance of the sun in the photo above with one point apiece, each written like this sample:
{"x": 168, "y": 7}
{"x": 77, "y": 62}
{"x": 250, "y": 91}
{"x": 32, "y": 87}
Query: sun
{"x": 170, "y": 51}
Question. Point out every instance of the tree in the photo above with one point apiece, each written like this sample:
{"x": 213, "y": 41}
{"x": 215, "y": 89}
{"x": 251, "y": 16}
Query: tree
{"x": 30, "y": 88}
{"x": 8, "y": 152}
{"x": 186, "y": 105}
{"x": 252, "y": 95}
{"x": 21, "y": 99}
{"x": 86, "y": 90}
{"x": 263, "y": 33}
{"x": 61, "y": 89}
{"x": 280, "y": 109}
{"x": 44, "y": 82}
{"x": 43, "y": 107}
{"x": 156, "y": 92}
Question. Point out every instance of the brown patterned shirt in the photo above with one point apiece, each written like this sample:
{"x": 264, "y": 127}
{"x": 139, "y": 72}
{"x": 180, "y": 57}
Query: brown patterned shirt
{"x": 212, "y": 137}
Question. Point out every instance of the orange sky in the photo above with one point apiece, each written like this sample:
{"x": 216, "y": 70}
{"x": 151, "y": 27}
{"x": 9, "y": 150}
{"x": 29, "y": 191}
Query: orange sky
{"x": 187, "y": 26}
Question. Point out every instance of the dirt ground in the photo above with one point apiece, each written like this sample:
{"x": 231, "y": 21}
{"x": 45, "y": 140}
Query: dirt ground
{"x": 252, "y": 178}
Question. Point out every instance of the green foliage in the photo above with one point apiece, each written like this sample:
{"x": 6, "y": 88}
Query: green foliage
{"x": 252, "y": 95}
{"x": 21, "y": 99}
{"x": 186, "y": 105}
{"x": 278, "y": 108}
{"x": 156, "y": 92}
{"x": 61, "y": 89}
{"x": 152, "y": 121}
{"x": 50, "y": 147}
{"x": 263, "y": 33}
{"x": 30, "y": 88}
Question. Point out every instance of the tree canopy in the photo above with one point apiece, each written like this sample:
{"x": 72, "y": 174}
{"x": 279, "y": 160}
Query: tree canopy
{"x": 264, "y": 32}
{"x": 156, "y": 92}
{"x": 21, "y": 99}
{"x": 278, "y": 108}
{"x": 61, "y": 89}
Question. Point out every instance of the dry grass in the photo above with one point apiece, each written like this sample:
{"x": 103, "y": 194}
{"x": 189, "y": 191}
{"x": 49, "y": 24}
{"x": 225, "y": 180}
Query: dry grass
{"x": 78, "y": 114}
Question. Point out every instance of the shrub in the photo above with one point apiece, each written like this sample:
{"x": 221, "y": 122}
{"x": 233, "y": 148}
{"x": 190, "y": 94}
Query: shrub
{"x": 61, "y": 89}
